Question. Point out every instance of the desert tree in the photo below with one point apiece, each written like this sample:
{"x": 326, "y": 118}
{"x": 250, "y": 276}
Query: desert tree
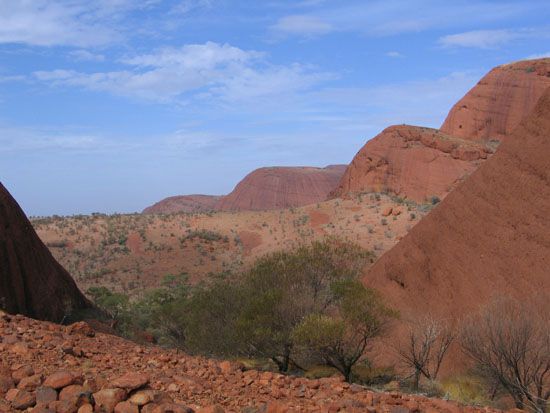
{"x": 283, "y": 288}
{"x": 114, "y": 305}
{"x": 423, "y": 350}
{"x": 343, "y": 332}
{"x": 510, "y": 341}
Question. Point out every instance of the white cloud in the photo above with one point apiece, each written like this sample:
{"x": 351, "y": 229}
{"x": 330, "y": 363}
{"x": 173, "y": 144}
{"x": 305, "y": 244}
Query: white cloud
{"x": 80, "y": 23}
{"x": 483, "y": 39}
{"x": 48, "y": 23}
{"x": 394, "y": 54}
{"x": 186, "y": 6}
{"x": 208, "y": 71}
{"x": 393, "y": 17}
{"x": 302, "y": 25}
{"x": 23, "y": 139}
{"x": 86, "y": 55}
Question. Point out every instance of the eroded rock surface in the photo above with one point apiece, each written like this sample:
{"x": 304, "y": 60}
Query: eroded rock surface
{"x": 413, "y": 162}
{"x": 489, "y": 237}
{"x": 32, "y": 282}
{"x": 282, "y": 187}
{"x": 184, "y": 203}
{"x": 496, "y": 105}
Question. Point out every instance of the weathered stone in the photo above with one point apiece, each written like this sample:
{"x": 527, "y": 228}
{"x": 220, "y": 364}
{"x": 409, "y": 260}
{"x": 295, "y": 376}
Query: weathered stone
{"x": 172, "y": 408}
{"x": 23, "y": 400}
{"x": 6, "y": 383}
{"x": 30, "y": 383}
{"x": 86, "y": 408}
{"x": 107, "y": 399}
{"x": 142, "y": 397}
{"x": 21, "y": 373}
{"x": 126, "y": 407}
{"x": 45, "y": 395}
{"x": 131, "y": 381}
{"x": 59, "y": 380}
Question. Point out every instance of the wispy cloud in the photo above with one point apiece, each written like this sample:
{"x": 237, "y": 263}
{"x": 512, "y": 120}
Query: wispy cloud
{"x": 48, "y": 23}
{"x": 483, "y": 39}
{"x": 394, "y": 54}
{"x": 392, "y": 17}
{"x": 79, "y": 23}
{"x": 301, "y": 25}
{"x": 24, "y": 139}
{"x": 207, "y": 71}
{"x": 86, "y": 55}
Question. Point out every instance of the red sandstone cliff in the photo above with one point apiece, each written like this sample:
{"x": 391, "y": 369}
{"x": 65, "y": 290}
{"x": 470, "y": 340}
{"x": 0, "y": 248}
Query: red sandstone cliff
{"x": 489, "y": 236}
{"x": 413, "y": 162}
{"x": 32, "y": 282}
{"x": 282, "y": 187}
{"x": 497, "y": 104}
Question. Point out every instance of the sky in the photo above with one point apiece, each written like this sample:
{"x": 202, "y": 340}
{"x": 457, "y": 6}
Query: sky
{"x": 112, "y": 105}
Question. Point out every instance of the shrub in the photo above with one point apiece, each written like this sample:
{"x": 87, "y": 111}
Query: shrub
{"x": 510, "y": 341}
{"x": 341, "y": 334}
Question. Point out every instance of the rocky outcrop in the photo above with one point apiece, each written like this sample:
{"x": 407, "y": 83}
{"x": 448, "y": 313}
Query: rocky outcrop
{"x": 417, "y": 163}
{"x": 184, "y": 203}
{"x": 488, "y": 237}
{"x": 497, "y": 104}
{"x": 32, "y": 282}
{"x": 51, "y": 368}
{"x": 412, "y": 162}
{"x": 282, "y": 187}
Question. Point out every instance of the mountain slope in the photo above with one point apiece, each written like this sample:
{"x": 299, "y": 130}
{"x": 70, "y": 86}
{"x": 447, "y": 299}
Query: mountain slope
{"x": 282, "y": 187}
{"x": 490, "y": 236}
{"x": 412, "y": 162}
{"x": 497, "y": 104}
{"x": 32, "y": 282}
{"x": 183, "y": 203}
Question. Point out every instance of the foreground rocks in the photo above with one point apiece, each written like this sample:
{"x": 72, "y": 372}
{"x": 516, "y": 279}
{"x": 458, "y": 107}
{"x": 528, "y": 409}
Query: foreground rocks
{"x": 107, "y": 374}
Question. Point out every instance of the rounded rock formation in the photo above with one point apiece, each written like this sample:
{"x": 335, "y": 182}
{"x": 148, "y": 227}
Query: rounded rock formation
{"x": 489, "y": 237}
{"x": 413, "y": 162}
{"x": 497, "y": 104}
{"x": 184, "y": 203}
{"x": 282, "y": 187}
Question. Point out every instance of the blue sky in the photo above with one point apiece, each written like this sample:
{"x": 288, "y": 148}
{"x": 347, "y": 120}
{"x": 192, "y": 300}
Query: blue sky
{"x": 111, "y": 105}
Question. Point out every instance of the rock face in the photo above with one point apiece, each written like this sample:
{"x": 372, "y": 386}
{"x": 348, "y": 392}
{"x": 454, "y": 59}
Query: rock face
{"x": 413, "y": 162}
{"x": 184, "y": 203}
{"x": 282, "y": 187}
{"x": 32, "y": 282}
{"x": 497, "y": 104}
{"x": 489, "y": 236}
{"x": 417, "y": 162}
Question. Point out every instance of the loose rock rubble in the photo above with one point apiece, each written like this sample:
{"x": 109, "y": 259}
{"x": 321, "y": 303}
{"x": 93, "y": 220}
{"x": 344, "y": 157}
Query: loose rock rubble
{"x": 48, "y": 368}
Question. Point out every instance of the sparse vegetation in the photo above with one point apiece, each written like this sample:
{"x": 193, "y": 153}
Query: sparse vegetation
{"x": 510, "y": 342}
